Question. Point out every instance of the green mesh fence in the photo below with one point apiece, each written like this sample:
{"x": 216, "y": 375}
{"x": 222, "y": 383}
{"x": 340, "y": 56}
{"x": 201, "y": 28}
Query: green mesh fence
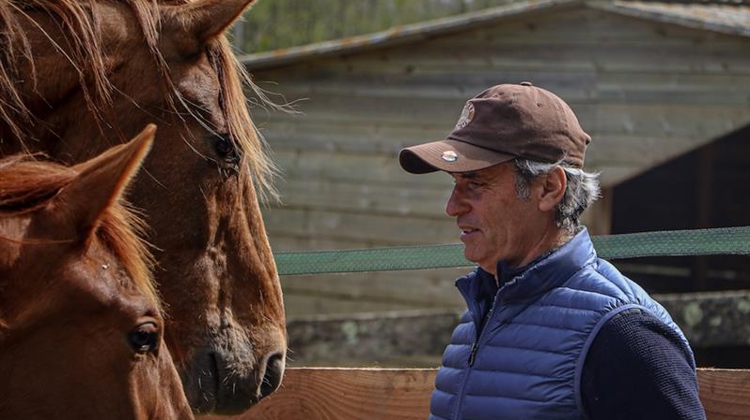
{"x": 720, "y": 241}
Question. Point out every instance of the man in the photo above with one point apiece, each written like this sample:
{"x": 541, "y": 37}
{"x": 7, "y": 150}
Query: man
{"x": 551, "y": 331}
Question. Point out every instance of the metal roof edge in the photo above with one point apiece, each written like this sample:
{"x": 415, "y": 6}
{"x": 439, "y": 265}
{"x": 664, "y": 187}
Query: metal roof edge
{"x": 640, "y": 9}
{"x": 396, "y": 35}
{"x": 650, "y": 10}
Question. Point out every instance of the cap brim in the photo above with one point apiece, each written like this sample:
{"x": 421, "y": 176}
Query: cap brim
{"x": 448, "y": 156}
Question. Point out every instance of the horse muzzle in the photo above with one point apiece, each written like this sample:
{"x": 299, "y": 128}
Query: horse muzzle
{"x": 217, "y": 382}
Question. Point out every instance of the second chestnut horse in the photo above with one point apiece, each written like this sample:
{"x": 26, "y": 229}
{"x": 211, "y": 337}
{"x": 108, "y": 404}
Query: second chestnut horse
{"x": 81, "y": 330}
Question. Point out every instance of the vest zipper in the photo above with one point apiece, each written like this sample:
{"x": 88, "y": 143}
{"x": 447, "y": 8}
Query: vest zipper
{"x": 472, "y": 357}
{"x": 475, "y": 346}
{"x": 473, "y": 353}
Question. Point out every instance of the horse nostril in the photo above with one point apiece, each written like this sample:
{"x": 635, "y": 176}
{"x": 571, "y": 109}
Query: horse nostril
{"x": 273, "y": 374}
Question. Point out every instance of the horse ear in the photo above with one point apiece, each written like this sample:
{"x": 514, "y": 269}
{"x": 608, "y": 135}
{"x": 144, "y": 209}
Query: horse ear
{"x": 102, "y": 180}
{"x": 207, "y": 19}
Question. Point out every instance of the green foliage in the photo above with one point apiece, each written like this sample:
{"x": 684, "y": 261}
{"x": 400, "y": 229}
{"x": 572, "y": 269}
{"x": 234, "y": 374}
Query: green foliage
{"x": 275, "y": 24}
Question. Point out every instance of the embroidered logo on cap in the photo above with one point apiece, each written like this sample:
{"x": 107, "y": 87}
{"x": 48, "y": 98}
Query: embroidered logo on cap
{"x": 466, "y": 116}
{"x": 449, "y": 156}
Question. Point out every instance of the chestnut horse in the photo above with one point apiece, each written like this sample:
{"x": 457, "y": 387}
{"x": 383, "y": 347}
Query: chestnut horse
{"x": 80, "y": 322}
{"x": 75, "y": 70}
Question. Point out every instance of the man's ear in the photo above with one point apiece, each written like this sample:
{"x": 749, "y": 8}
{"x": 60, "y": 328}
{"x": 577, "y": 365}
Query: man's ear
{"x": 551, "y": 189}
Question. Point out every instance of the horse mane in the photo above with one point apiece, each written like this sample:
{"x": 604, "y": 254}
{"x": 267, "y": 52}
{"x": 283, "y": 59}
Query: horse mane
{"x": 241, "y": 126}
{"x": 86, "y": 55}
{"x": 28, "y": 184}
{"x": 88, "y": 59}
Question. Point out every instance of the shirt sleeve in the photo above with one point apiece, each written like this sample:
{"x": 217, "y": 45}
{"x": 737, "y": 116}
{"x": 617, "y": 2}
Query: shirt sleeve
{"x": 639, "y": 368}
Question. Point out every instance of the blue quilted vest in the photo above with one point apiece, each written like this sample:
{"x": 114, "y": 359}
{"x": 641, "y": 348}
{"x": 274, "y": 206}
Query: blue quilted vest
{"x": 526, "y": 362}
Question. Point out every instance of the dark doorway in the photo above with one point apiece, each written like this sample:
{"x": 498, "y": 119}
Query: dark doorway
{"x": 706, "y": 188}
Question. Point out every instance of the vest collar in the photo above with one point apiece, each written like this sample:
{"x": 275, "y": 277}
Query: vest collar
{"x": 548, "y": 271}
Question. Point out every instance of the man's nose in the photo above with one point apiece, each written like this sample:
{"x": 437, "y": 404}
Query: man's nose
{"x": 455, "y": 205}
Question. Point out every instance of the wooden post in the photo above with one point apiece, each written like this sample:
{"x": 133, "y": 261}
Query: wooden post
{"x": 704, "y": 180}
{"x": 598, "y": 217}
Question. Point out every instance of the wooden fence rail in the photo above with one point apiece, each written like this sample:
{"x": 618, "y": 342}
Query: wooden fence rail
{"x": 404, "y": 394}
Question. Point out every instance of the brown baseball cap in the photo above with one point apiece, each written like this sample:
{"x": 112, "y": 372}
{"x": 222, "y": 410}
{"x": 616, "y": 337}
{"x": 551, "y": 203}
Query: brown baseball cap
{"x": 504, "y": 122}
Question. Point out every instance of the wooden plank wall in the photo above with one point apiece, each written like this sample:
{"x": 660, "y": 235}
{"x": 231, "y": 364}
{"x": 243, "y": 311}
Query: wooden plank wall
{"x": 404, "y": 394}
{"x": 645, "y": 91}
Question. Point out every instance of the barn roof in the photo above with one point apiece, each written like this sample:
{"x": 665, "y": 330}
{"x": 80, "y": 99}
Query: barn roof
{"x": 723, "y": 16}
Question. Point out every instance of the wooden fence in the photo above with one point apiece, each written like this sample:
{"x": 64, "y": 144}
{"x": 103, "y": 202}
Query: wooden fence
{"x": 404, "y": 394}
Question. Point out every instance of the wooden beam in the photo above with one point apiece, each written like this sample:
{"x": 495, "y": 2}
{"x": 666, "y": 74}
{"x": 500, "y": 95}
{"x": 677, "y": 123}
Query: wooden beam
{"x": 404, "y": 394}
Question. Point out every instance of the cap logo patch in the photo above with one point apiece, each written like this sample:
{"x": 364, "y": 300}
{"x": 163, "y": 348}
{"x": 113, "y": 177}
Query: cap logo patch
{"x": 449, "y": 156}
{"x": 466, "y": 116}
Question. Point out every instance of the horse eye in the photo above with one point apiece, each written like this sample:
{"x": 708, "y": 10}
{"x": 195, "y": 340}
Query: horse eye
{"x": 144, "y": 338}
{"x": 225, "y": 148}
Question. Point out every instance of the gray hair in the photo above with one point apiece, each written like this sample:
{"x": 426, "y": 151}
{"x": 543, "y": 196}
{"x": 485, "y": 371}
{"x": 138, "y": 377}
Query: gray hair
{"x": 581, "y": 191}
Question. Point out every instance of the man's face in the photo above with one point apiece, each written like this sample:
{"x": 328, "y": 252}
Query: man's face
{"x": 495, "y": 224}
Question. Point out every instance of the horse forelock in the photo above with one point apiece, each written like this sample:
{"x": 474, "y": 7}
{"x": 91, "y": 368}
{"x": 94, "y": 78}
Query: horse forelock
{"x": 28, "y": 184}
{"x": 233, "y": 77}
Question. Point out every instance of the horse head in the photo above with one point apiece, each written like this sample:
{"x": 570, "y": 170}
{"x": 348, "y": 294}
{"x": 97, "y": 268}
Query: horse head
{"x": 81, "y": 330}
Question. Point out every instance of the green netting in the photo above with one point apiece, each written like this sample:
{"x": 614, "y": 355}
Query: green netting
{"x": 720, "y": 241}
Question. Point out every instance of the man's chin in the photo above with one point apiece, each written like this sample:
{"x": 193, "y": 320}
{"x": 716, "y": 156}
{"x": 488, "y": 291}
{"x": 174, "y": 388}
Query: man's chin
{"x": 472, "y": 256}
